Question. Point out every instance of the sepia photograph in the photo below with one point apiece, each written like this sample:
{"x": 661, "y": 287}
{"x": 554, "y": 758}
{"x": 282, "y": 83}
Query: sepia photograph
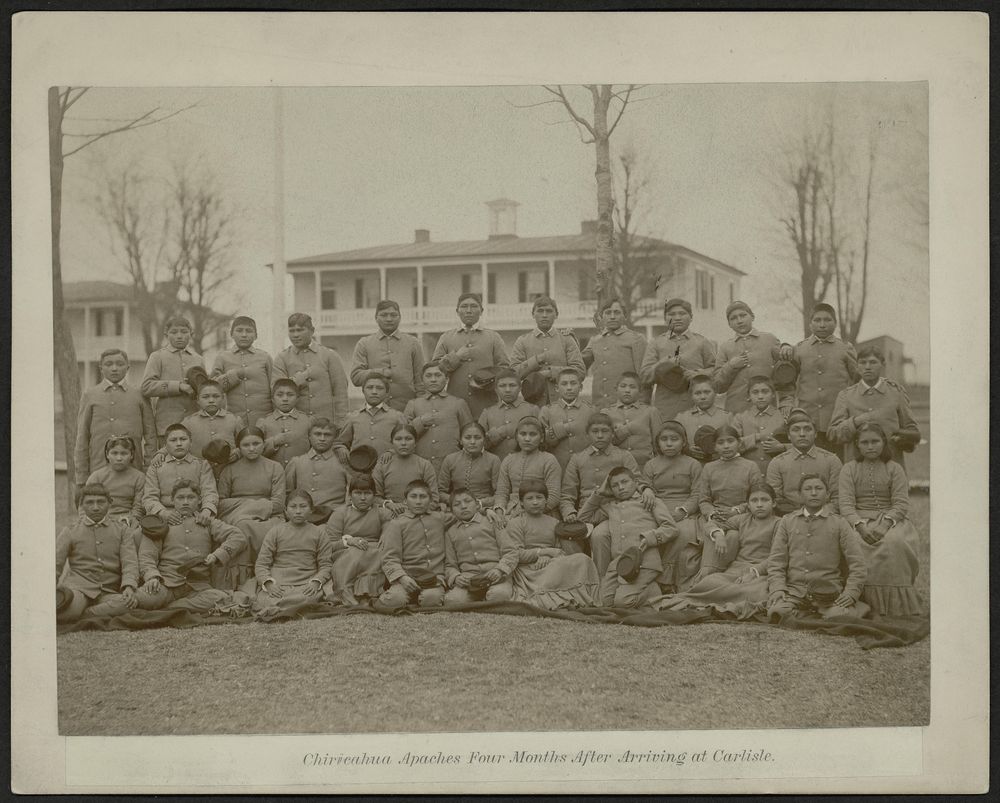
{"x": 492, "y": 408}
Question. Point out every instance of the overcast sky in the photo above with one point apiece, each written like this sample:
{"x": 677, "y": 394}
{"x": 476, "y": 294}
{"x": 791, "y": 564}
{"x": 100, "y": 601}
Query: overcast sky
{"x": 367, "y": 166}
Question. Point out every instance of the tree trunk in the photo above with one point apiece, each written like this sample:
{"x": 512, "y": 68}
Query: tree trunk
{"x": 605, "y": 198}
{"x": 65, "y": 352}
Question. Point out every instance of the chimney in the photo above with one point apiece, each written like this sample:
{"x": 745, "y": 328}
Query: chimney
{"x": 588, "y": 227}
{"x": 503, "y": 218}
{"x": 421, "y": 235}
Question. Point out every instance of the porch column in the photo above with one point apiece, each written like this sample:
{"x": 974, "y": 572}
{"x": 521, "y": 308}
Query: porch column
{"x": 552, "y": 279}
{"x": 381, "y": 283}
{"x": 484, "y": 283}
{"x": 420, "y": 295}
{"x": 318, "y": 296}
{"x": 87, "y": 335}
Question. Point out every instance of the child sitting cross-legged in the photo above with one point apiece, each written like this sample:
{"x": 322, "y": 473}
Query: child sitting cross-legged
{"x": 103, "y": 568}
{"x": 478, "y": 560}
{"x": 636, "y": 537}
{"x": 413, "y": 553}
{"x": 176, "y": 565}
{"x": 293, "y": 563}
{"x": 804, "y": 567}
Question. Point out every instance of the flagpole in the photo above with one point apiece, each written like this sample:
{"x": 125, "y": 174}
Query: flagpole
{"x": 279, "y": 271}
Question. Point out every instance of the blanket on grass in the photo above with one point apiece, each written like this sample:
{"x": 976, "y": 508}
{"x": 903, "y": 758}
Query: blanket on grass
{"x": 868, "y": 633}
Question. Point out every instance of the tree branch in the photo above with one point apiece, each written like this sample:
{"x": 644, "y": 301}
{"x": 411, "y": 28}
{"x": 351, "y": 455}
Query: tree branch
{"x": 139, "y": 122}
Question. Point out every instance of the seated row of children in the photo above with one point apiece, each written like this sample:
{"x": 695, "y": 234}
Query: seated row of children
{"x": 654, "y": 538}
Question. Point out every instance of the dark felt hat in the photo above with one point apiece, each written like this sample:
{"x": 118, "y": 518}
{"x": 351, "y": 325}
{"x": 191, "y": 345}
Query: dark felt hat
{"x": 780, "y": 435}
{"x": 195, "y": 376}
{"x": 424, "y": 578}
{"x": 823, "y": 592}
{"x": 320, "y": 514}
{"x": 588, "y": 357}
{"x": 483, "y": 378}
{"x": 64, "y": 598}
{"x": 671, "y": 377}
{"x": 479, "y": 582}
{"x": 784, "y": 373}
{"x": 533, "y": 387}
{"x": 571, "y": 530}
{"x": 704, "y": 438}
{"x": 217, "y": 452}
{"x": 153, "y": 527}
{"x": 628, "y": 564}
{"x": 362, "y": 459}
{"x": 907, "y": 441}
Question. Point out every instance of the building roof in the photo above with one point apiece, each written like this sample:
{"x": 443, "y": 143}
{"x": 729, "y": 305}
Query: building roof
{"x": 501, "y": 246}
{"x": 83, "y": 292}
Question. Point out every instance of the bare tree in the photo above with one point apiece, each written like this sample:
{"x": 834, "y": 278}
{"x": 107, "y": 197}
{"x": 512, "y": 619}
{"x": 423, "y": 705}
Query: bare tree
{"x": 60, "y": 101}
{"x": 831, "y": 238}
{"x": 202, "y": 238}
{"x": 641, "y": 263}
{"x": 607, "y": 102}
{"x": 138, "y": 228}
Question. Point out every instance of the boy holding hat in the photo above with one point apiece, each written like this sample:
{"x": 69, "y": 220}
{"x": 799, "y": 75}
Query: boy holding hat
{"x": 437, "y": 416}
{"x": 103, "y": 565}
{"x": 635, "y": 423}
{"x": 636, "y": 535}
{"x": 804, "y": 568}
{"x": 165, "y": 378}
{"x": 705, "y": 413}
{"x": 478, "y": 560}
{"x": 286, "y": 429}
{"x": 319, "y": 471}
{"x": 317, "y": 370}
{"x": 826, "y": 365}
{"x": 393, "y": 355}
{"x": 461, "y": 351}
{"x": 245, "y": 373}
{"x": 759, "y": 424}
{"x": 212, "y": 422}
{"x": 372, "y": 425}
{"x": 501, "y": 419}
{"x": 547, "y": 350}
{"x": 112, "y": 409}
{"x": 174, "y": 576}
{"x": 748, "y": 353}
{"x": 785, "y": 471}
{"x": 678, "y": 348}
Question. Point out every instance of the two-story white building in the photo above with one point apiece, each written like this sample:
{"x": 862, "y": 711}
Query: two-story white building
{"x": 340, "y": 290}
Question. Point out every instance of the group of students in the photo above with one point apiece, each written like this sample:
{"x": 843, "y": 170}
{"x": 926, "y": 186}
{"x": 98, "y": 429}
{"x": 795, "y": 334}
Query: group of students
{"x": 482, "y": 475}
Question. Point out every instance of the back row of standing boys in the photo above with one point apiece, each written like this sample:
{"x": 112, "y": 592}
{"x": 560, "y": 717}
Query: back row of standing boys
{"x": 504, "y": 427}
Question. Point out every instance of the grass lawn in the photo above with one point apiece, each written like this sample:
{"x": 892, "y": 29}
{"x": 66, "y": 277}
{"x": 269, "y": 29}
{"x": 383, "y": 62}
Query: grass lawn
{"x": 483, "y": 672}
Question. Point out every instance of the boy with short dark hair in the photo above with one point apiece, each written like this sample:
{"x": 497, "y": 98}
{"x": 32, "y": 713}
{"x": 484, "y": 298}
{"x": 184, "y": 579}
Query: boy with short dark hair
{"x": 112, "y": 408}
{"x": 170, "y": 582}
{"x": 475, "y": 549}
{"x": 245, "y": 373}
{"x": 635, "y": 423}
{"x": 103, "y": 565}
{"x": 827, "y": 365}
{"x": 547, "y": 349}
{"x": 286, "y": 428}
{"x": 317, "y": 370}
{"x": 565, "y": 419}
{"x": 372, "y": 425}
{"x": 391, "y": 354}
{"x": 804, "y": 569}
{"x": 178, "y": 464}
{"x": 165, "y": 379}
{"x": 704, "y": 413}
{"x": 436, "y": 416}
{"x": 413, "y": 553}
{"x": 500, "y": 420}
{"x": 759, "y": 423}
{"x": 319, "y": 471}
{"x": 785, "y": 472}
{"x": 632, "y": 528}
{"x": 212, "y": 422}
